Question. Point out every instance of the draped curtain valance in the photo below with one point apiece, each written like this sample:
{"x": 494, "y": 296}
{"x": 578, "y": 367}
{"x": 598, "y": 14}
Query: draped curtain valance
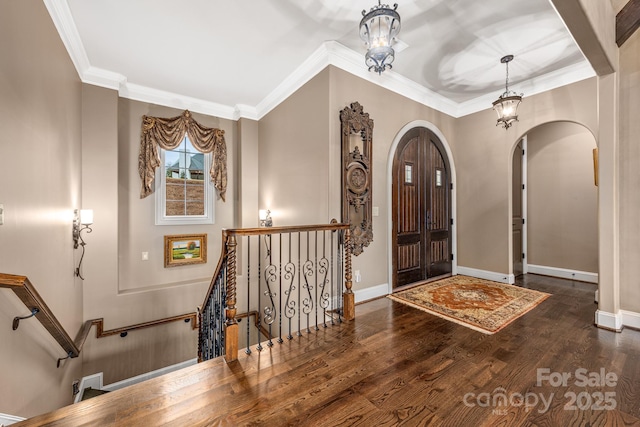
{"x": 167, "y": 134}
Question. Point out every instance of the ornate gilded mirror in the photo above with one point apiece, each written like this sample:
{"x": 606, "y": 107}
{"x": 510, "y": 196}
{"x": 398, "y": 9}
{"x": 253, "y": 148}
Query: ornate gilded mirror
{"x": 357, "y": 131}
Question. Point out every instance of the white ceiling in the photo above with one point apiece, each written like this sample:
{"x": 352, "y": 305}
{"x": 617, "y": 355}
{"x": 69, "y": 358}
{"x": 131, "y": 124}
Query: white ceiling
{"x": 241, "y": 58}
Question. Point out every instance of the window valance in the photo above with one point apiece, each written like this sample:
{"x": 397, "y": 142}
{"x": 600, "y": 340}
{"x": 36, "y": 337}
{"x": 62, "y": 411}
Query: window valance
{"x": 167, "y": 134}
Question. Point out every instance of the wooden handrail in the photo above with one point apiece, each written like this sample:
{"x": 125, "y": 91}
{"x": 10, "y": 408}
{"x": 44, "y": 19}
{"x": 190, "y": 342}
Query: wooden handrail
{"x": 22, "y": 287}
{"x": 334, "y": 226}
{"x": 285, "y": 229}
{"x": 221, "y": 261}
{"x": 27, "y": 293}
{"x": 101, "y": 333}
{"x": 225, "y": 276}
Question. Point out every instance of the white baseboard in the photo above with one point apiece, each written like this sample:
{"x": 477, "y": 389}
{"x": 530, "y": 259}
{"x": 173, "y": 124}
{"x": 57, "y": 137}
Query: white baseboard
{"x": 371, "y": 292}
{"x": 94, "y": 381}
{"x": 609, "y": 321}
{"x": 6, "y": 420}
{"x": 143, "y": 377}
{"x": 487, "y": 275}
{"x": 564, "y": 273}
{"x": 630, "y": 319}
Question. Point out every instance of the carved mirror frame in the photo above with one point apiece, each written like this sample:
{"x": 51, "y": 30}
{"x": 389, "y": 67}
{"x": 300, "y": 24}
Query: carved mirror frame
{"x": 357, "y": 178}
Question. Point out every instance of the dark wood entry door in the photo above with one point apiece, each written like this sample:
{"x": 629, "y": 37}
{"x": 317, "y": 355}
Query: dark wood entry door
{"x": 421, "y": 209}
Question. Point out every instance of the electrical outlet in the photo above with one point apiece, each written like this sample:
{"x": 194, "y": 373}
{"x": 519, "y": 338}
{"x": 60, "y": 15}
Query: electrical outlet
{"x": 1, "y": 214}
{"x": 145, "y": 256}
{"x": 75, "y": 387}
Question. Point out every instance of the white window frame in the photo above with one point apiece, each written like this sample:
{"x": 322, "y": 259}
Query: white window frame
{"x": 161, "y": 193}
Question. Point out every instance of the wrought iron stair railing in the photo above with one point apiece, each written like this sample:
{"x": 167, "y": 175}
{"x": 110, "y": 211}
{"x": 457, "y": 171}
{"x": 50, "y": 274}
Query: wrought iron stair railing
{"x": 295, "y": 279}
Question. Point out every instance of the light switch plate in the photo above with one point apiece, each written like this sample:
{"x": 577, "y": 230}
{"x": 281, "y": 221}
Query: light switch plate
{"x": 376, "y": 211}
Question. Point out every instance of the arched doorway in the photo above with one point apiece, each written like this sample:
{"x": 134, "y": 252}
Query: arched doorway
{"x": 421, "y": 201}
{"x": 558, "y": 202}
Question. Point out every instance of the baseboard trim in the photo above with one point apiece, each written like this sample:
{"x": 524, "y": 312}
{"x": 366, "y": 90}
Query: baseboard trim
{"x": 6, "y": 419}
{"x": 371, "y": 292}
{"x": 563, "y": 273}
{"x": 94, "y": 381}
{"x": 630, "y": 319}
{"x": 487, "y": 275}
{"x": 143, "y": 377}
{"x": 610, "y": 321}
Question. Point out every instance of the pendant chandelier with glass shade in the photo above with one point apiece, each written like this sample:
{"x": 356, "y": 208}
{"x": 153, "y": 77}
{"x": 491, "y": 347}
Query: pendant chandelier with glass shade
{"x": 378, "y": 29}
{"x": 506, "y": 106}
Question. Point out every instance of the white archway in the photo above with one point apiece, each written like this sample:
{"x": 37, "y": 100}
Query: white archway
{"x": 556, "y": 272}
{"x": 392, "y": 150}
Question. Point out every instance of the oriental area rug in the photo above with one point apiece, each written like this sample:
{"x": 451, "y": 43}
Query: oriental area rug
{"x": 479, "y": 304}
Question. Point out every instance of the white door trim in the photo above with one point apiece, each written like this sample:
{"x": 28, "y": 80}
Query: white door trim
{"x": 525, "y": 261}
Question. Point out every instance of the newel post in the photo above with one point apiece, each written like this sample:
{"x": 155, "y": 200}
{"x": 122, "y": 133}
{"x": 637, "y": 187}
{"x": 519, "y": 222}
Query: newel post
{"x": 231, "y": 325}
{"x": 348, "y": 296}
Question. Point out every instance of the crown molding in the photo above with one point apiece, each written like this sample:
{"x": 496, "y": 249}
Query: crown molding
{"x": 571, "y": 74}
{"x": 353, "y": 63}
{"x": 181, "y": 102}
{"x": 103, "y": 78}
{"x": 329, "y": 53}
{"x": 315, "y": 63}
{"x": 64, "y": 23}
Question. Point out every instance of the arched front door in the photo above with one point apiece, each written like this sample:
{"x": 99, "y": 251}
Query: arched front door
{"x": 421, "y": 205}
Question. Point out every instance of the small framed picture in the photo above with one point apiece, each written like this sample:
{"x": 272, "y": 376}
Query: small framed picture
{"x": 184, "y": 249}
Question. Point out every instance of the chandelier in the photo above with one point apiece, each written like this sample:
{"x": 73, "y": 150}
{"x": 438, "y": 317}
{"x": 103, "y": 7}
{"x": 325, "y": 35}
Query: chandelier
{"x": 378, "y": 29}
{"x": 507, "y": 104}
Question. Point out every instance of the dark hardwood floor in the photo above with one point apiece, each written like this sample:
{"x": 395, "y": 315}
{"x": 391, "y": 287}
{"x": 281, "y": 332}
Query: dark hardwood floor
{"x": 395, "y": 365}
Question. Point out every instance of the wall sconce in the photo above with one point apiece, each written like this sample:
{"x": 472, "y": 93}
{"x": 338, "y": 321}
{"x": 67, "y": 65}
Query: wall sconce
{"x": 265, "y": 218}
{"x": 81, "y": 222}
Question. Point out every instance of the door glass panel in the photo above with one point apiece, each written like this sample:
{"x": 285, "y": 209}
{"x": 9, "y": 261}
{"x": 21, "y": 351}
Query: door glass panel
{"x": 408, "y": 173}
{"x": 438, "y": 177}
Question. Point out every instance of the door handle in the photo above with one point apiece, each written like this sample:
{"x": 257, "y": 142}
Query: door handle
{"x": 428, "y": 220}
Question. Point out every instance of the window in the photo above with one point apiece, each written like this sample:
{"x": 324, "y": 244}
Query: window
{"x": 185, "y": 193}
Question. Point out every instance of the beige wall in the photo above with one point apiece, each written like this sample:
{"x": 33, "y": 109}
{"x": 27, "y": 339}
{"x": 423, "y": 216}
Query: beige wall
{"x": 248, "y": 169}
{"x": 120, "y": 287}
{"x": 629, "y": 129}
{"x": 40, "y": 98}
{"x": 562, "y": 224}
{"x": 618, "y": 5}
{"x": 390, "y": 112}
{"x": 592, "y": 25}
{"x": 294, "y": 157}
{"x": 297, "y": 148}
{"x": 300, "y": 156}
{"x": 483, "y": 154}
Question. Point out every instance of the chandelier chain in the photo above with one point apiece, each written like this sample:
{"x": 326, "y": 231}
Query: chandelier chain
{"x": 506, "y": 83}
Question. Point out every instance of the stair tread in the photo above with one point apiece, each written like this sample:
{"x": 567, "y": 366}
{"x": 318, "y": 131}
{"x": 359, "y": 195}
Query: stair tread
{"x": 92, "y": 392}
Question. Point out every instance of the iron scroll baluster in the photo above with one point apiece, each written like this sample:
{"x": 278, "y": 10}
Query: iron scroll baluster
{"x": 288, "y": 296}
